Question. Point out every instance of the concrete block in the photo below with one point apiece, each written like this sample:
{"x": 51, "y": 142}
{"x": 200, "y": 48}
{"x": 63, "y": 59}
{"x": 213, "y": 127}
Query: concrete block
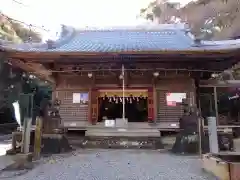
{"x": 216, "y": 166}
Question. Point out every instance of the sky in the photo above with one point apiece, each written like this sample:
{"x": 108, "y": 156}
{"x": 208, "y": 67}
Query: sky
{"x": 78, "y": 13}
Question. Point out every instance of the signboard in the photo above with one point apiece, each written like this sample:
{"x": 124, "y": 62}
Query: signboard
{"x": 80, "y": 98}
{"x": 174, "y": 98}
{"x": 109, "y": 123}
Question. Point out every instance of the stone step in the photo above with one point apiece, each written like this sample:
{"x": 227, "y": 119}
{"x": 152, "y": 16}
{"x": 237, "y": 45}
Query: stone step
{"x": 116, "y": 142}
{"x": 121, "y": 132}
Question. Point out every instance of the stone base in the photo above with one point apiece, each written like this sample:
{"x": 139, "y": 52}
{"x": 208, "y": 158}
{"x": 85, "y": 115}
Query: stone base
{"x": 51, "y": 143}
{"x": 21, "y": 161}
{"x": 187, "y": 143}
{"x": 13, "y": 151}
{"x": 122, "y": 132}
{"x": 113, "y": 142}
{"x": 225, "y": 142}
{"x": 54, "y": 144}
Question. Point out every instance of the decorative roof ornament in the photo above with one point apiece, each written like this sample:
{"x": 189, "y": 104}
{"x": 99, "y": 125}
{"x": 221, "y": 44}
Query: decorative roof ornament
{"x": 197, "y": 42}
{"x": 50, "y": 44}
{"x": 29, "y": 35}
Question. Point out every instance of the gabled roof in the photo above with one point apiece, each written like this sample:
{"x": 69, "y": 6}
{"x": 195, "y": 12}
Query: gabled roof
{"x": 137, "y": 39}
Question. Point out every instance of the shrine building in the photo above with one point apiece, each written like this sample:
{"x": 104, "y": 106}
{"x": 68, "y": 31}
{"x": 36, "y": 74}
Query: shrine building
{"x": 142, "y": 74}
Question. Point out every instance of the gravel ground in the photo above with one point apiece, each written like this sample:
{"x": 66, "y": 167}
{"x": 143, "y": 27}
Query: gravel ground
{"x": 115, "y": 165}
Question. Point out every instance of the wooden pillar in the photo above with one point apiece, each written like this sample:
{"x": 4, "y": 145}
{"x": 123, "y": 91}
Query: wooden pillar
{"x": 155, "y": 103}
{"x": 150, "y": 105}
{"x": 216, "y": 103}
{"x": 94, "y": 106}
{"x": 90, "y": 105}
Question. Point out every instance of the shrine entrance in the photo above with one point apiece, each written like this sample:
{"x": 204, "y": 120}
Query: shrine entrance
{"x": 110, "y": 105}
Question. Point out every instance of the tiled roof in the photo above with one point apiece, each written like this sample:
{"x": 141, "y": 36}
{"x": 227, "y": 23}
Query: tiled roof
{"x": 123, "y": 40}
{"x": 127, "y": 40}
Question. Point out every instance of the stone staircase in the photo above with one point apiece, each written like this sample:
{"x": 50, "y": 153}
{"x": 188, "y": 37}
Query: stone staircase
{"x": 119, "y": 138}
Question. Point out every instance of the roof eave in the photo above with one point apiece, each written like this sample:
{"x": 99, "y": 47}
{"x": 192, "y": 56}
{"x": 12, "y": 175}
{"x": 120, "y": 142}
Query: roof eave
{"x": 156, "y": 52}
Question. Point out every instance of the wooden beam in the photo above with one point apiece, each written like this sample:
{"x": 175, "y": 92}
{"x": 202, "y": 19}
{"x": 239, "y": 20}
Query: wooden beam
{"x": 216, "y": 83}
{"x": 199, "y": 52}
{"x": 34, "y": 68}
{"x": 68, "y": 57}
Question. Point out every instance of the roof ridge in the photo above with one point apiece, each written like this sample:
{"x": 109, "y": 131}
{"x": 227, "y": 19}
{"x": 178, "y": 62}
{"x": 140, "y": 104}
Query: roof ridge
{"x": 146, "y": 27}
{"x": 71, "y": 33}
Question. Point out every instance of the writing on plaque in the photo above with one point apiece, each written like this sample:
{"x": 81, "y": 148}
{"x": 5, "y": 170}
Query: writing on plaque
{"x": 109, "y": 123}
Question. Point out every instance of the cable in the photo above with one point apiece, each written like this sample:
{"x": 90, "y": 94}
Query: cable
{"x": 21, "y": 22}
{"x": 20, "y": 3}
{"x": 30, "y": 26}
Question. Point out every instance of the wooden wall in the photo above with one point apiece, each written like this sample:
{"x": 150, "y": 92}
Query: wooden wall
{"x": 176, "y": 85}
{"x": 72, "y": 114}
{"x": 76, "y": 115}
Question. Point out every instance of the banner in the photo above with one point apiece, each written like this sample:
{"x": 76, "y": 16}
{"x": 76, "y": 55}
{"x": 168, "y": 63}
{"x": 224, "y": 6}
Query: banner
{"x": 173, "y": 98}
{"x": 80, "y": 98}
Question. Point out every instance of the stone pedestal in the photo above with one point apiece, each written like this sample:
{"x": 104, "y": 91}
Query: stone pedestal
{"x": 21, "y": 161}
{"x": 186, "y": 143}
{"x": 54, "y": 144}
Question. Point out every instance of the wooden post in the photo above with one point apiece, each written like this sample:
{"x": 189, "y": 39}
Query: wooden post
{"x": 26, "y": 104}
{"x": 38, "y": 138}
{"x": 150, "y": 105}
{"x": 94, "y": 105}
{"x": 200, "y": 133}
{"x": 216, "y": 104}
{"x": 90, "y": 106}
{"x": 26, "y": 135}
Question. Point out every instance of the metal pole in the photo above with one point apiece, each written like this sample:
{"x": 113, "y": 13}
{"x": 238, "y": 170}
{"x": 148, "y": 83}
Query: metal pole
{"x": 216, "y": 104}
{"x": 123, "y": 93}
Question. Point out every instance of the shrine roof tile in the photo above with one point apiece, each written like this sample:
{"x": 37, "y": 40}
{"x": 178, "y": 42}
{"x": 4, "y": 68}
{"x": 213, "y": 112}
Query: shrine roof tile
{"x": 123, "y": 40}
